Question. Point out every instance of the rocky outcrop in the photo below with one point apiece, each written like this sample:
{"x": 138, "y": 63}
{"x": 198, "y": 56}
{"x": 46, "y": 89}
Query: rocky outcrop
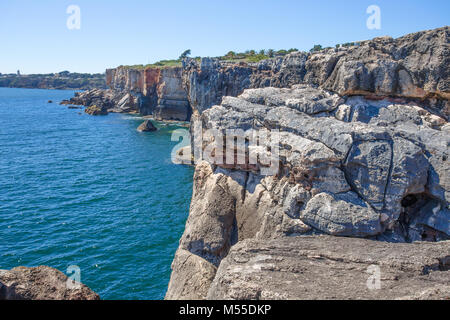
{"x": 381, "y": 173}
{"x": 354, "y": 150}
{"x": 147, "y": 126}
{"x": 105, "y": 99}
{"x": 95, "y": 110}
{"x": 342, "y": 178}
{"x": 158, "y": 91}
{"x": 411, "y": 67}
{"x": 125, "y": 79}
{"x": 147, "y": 91}
{"x": 172, "y": 101}
{"x": 41, "y": 283}
{"x": 208, "y": 80}
{"x": 324, "y": 267}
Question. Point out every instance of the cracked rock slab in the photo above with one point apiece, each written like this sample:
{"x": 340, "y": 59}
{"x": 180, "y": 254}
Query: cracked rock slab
{"x": 325, "y": 267}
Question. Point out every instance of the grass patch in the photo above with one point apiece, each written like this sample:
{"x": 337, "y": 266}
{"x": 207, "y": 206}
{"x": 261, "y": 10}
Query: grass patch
{"x": 160, "y": 64}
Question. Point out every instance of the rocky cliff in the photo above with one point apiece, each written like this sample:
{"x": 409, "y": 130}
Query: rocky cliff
{"x": 359, "y": 140}
{"x": 41, "y": 283}
{"x": 411, "y": 67}
{"x": 147, "y": 91}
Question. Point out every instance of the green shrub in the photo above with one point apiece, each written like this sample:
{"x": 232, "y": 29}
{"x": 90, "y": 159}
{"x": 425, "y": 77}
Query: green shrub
{"x": 316, "y": 48}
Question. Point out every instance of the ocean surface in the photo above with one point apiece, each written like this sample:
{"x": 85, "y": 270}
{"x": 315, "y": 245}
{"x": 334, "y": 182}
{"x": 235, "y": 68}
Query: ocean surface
{"x": 92, "y": 192}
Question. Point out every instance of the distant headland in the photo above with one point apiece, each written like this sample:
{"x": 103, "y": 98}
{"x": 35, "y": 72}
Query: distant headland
{"x": 61, "y": 80}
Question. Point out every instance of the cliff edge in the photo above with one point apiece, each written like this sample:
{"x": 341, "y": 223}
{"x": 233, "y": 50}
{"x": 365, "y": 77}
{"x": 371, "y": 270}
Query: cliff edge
{"x": 350, "y": 142}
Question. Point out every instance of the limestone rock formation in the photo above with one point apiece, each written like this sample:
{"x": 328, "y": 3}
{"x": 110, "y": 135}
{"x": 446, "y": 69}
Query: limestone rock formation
{"x": 147, "y": 91}
{"x": 208, "y": 80}
{"x": 157, "y": 91}
{"x": 341, "y": 178}
{"x": 411, "y": 67}
{"x": 172, "y": 103}
{"x": 102, "y": 98}
{"x": 110, "y": 100}
{"x": 41, "y": 283}
{"x": 359, "y": 144}
{"x": 324, "y": 267}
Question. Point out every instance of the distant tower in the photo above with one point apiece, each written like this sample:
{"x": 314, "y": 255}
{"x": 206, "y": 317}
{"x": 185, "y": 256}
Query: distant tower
{"x": 18, "y": 73}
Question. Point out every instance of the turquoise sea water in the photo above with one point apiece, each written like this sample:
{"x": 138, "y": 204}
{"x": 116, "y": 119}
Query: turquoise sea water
{"x": 91, "y": 192}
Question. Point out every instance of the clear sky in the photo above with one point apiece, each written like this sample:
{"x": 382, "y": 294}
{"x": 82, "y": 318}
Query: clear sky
{"x": 34, "y": 37}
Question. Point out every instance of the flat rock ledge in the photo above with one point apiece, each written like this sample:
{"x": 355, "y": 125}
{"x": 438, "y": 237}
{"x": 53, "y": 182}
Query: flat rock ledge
{"x": 41, "y": 283}
{"x": 326, "y": 267}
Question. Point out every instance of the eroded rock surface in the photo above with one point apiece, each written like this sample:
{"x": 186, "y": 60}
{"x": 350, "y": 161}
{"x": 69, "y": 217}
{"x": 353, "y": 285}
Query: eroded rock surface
{"x": 147, "y": 91}
{"x": 362, "y": 143}
{"x": 341, "y": 178}
{"x": 41, "y": 283}
{"x": 411, "y": 67}
{"x": 324, "y": 267}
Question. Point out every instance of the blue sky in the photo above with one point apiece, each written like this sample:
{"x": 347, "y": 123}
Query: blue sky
{"x": 34, "y": 37}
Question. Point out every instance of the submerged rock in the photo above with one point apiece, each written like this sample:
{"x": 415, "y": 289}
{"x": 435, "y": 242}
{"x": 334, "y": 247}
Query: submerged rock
{"x": 147, "y": 126}
{"x": 41, "y": 283}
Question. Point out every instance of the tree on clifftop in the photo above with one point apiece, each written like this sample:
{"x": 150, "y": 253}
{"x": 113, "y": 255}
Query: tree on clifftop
{"x": 316, "y": 48}
{"x": 230, "y": 55}
{"x": 185, "y": 54}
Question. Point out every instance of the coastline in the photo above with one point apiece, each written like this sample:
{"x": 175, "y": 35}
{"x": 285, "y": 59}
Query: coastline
{"x": 80, "y": 190}
{"x": 362, "y": 174}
